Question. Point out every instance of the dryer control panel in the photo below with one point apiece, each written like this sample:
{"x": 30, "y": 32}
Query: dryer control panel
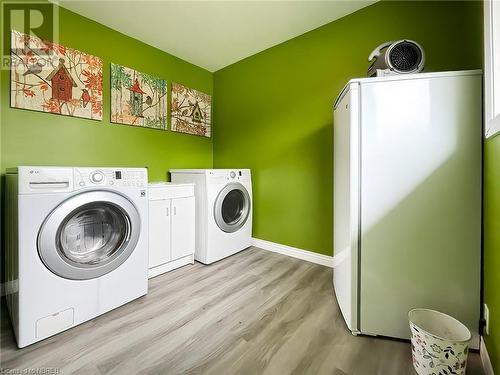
{"x": 111, "y": 177}
{"x": 228, "y": 175}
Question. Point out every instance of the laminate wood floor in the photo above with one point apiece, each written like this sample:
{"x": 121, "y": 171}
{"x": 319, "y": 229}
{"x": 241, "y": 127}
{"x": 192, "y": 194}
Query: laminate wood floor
{"x": 256, "y": 312}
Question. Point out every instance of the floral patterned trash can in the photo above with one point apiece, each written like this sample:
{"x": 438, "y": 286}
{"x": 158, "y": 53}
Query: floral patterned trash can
{"x": 439, "y": 343}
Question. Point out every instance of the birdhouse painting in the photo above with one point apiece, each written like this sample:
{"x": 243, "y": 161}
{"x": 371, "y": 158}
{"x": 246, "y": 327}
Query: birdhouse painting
{"x": 49, "y": 77}
{"x": 138, "y": 99}
{"x": 191, "y": 111}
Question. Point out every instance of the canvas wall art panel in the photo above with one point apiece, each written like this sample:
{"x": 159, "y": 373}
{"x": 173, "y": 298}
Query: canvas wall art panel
{"x": 49, "y": 77}
{"x": 191, "y": 111}
{"x": 137, "y": 98}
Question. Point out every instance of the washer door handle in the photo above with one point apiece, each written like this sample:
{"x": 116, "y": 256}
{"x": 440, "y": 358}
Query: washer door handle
{"x": 129, "y": 232}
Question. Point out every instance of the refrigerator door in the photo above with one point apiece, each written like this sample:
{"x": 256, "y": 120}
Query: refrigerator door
{"x": 346, "y": 203}
{"x": 421, "y": 201}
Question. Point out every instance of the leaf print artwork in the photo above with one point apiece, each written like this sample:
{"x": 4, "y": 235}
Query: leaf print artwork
{"x": 137, "y": 98}
{"x": 48, "y": 77}
{"x": 191, "y": 111}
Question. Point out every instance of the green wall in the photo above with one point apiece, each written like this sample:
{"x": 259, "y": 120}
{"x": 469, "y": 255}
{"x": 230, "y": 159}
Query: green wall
{"x": 273, "y": 110}
{"x": 492, "y": 246}
{"x": 34, "y": 138}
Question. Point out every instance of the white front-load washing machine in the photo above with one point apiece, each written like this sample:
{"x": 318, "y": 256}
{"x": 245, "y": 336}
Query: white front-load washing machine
{"x": 77, "y": 245}
{"x": 223, "y": 210}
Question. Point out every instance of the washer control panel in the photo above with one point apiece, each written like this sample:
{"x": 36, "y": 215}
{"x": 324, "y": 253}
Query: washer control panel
{"x": 97, "y": 177}
{"x": 126, "y": 177}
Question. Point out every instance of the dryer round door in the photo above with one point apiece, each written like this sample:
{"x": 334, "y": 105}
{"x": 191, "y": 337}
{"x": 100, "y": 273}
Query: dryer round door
{"x": 232, "y": 207}
{"x": 89, "y": 235}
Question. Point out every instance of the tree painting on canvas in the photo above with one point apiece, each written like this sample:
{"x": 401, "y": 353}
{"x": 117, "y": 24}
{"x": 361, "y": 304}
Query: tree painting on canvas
{"x": 191, "y": 111}
{"x": 49, "y": 77}
{"x": 137, "y": 98}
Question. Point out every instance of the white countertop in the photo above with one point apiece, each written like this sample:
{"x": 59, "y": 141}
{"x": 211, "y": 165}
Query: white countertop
{"x": 159, "y": 184}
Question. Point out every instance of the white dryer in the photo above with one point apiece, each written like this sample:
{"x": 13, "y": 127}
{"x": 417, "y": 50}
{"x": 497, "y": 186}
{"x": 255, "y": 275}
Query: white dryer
{"x": 77, "y": 245}
{"x": 223, "y": 210}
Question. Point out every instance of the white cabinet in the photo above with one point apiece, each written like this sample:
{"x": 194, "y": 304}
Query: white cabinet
{"x": 171, "y": 226}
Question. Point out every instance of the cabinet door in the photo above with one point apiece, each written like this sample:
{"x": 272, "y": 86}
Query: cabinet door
{"x": 159, "y": 232}
{"x": 182, "y": 227}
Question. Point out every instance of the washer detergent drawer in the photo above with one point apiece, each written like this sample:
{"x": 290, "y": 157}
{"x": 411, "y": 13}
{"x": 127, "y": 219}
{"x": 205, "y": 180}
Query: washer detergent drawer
{"x": 55, "y": 323}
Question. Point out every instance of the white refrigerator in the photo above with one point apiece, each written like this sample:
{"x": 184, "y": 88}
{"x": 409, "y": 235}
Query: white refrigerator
{"x": 407, "y": 200}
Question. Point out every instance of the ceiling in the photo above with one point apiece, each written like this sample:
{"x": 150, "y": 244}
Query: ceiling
{"x": 213, "y": 34}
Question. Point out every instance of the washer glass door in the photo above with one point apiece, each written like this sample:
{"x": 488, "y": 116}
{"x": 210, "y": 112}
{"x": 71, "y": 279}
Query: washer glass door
{"x": 92, "y": 234}
{"x": 89, "y": 235}
{"x": 232, "y": 207}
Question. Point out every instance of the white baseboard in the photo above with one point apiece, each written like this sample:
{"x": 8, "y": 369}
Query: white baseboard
{"x": 158, "y": 270}
{"x": 294, "y": 252}
{"x": 485, "y": 359}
